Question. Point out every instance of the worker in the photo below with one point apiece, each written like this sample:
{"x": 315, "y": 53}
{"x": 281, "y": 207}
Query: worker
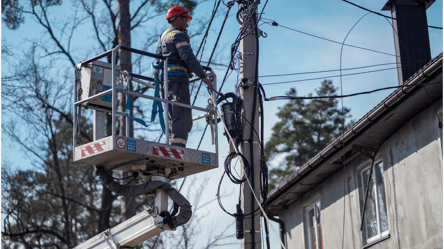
{"x": 174, "y": 44}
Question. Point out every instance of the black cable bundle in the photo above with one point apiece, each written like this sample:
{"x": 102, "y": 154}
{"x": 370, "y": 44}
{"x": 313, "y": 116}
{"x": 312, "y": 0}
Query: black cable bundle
{"x": 227, "y": 166}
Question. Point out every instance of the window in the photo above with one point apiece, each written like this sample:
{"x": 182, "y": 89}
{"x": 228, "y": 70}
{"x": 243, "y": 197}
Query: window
{"x": 375, "y": 216}
{"x": 313, "y": 228}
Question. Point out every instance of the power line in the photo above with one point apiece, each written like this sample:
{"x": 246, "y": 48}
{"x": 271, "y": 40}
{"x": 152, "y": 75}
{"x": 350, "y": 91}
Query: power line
{"x": 328, "y": 77}
{"x": 214, "y": 49}
{"x": 204, "y": 39}
{"x": 347, "y": 95}
{"x": 333, "y": 70}
{"x": 379, "y": 14}
{"x": 274, "y": 23}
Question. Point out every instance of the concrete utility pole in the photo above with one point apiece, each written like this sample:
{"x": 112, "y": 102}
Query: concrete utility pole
{"x": 250, "y": 148}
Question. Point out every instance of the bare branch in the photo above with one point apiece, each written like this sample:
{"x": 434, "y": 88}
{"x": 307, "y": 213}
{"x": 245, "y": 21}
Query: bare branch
{"x": 90, "y": 12}
{"x": 36, "y": 231}
{"x": 138, "y": 9}
{"x": 47, "y": 26}
{"x": 75, "y": 201}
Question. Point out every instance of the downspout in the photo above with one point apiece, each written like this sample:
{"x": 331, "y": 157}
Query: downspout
{"x": 281, "y": 228}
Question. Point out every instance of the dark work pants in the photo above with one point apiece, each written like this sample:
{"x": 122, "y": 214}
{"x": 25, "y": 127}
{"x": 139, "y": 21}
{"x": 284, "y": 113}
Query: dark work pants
{"x": 180, "y": 118}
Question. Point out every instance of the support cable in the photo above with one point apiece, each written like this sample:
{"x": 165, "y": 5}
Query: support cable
{"x": 343, "y": 127}
{"x": 379, "y": 14}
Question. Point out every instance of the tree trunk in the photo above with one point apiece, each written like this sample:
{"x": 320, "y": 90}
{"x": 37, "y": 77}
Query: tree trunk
{"x": 128, "y": 209}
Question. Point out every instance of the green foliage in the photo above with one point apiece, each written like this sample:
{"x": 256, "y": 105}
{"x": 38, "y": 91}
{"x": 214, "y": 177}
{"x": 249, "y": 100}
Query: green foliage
{"x": 304, "y": 129}
{"x": 12, "y": 13}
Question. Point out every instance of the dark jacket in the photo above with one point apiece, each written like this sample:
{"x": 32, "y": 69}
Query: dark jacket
{"x": 175, "y": 44}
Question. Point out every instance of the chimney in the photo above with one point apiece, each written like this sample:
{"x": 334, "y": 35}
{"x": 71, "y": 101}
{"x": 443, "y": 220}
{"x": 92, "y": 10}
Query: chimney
{"x": 411, "y": 35}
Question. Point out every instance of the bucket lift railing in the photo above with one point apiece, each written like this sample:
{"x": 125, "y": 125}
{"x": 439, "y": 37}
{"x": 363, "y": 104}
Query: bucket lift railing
{"x": 210, "y": 112}
{"x": 155, "y": 162}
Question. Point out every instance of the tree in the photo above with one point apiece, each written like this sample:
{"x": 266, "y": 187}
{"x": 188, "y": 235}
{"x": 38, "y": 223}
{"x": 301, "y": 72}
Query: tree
{"x": 58, "y": 203}
{"x": 304, "y": 129}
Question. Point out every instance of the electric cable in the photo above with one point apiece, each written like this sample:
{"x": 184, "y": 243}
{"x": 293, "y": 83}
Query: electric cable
{"x": 335, "y": 70}
{"x": 265, "y": 215}
{"x": 349, "y": 95}
{"x": 328, "y": 77}
{"x": 214, "y": 49}
{"x": 205, "y": 37}
{"x": 227, "y": 167}
{"x": 274, "y": 23}
{"x": 253, "y": 114}
{"x": 326, "y": 39}
{"x": 379, "y": 14}
{"x": 249, "y": 184}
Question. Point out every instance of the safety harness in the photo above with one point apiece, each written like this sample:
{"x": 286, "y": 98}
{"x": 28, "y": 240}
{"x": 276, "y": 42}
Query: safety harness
{"x": 173, "y": 70}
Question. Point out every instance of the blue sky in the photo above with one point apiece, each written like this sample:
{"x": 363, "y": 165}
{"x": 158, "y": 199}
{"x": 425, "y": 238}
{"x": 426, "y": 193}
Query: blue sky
{"x": 282, "y": 52}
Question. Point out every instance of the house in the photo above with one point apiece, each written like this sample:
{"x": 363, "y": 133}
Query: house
{"x": 379, "y": 184}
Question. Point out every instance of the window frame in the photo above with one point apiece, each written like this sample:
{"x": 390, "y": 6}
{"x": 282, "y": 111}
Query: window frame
{"x": 361, "y": 183}
{"x": 316, "y": 207}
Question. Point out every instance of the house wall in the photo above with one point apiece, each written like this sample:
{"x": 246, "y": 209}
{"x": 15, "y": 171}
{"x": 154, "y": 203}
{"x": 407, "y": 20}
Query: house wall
{"x": 412, "y": 159}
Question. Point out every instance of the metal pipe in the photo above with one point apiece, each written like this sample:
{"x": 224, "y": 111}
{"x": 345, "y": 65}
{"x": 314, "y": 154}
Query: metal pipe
{"x": 74, "y": 144}
{"x": 141, "y": 77}
{"x": 143, "y": 83}
{"x": 114, "y": 96}
{"x": 281, "y": 228}
{"x": 200, "y": 117}
{"x": 167, "y": 121}
{"x": 97, "y": 57}
{"x": 137, "y": 51}
{"x": 127, "y": 121}
{"x": 215, "y": 117}
{"x": 93, "y": 97}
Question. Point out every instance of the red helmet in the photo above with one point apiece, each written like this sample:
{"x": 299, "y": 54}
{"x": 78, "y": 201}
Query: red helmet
{"x": 176, "y": 11}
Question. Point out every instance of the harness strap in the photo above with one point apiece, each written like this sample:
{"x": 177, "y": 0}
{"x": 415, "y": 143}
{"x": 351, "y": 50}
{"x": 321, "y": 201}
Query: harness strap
{"x": 128, "y": 107}
{"x": 157, "y": 107}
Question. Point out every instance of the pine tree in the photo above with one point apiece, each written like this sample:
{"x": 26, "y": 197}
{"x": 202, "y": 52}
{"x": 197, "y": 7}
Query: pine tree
{"x": 304, "y": 129}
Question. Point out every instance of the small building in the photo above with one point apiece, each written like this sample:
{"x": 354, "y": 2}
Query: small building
{"x": 379, "y": 184}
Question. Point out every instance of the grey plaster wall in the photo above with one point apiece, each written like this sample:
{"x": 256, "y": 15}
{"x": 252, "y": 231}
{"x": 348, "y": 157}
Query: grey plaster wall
{"x": 412, "y": 159}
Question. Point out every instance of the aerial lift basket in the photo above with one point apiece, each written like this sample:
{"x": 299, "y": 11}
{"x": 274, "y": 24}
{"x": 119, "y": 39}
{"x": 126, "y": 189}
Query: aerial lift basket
{"x": 97, "y": 89}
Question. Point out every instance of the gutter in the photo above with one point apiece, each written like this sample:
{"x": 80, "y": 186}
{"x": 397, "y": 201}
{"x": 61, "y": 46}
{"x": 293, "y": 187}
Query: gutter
{"x": 367, "y": 120}
{"x": 281, "y": 228}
